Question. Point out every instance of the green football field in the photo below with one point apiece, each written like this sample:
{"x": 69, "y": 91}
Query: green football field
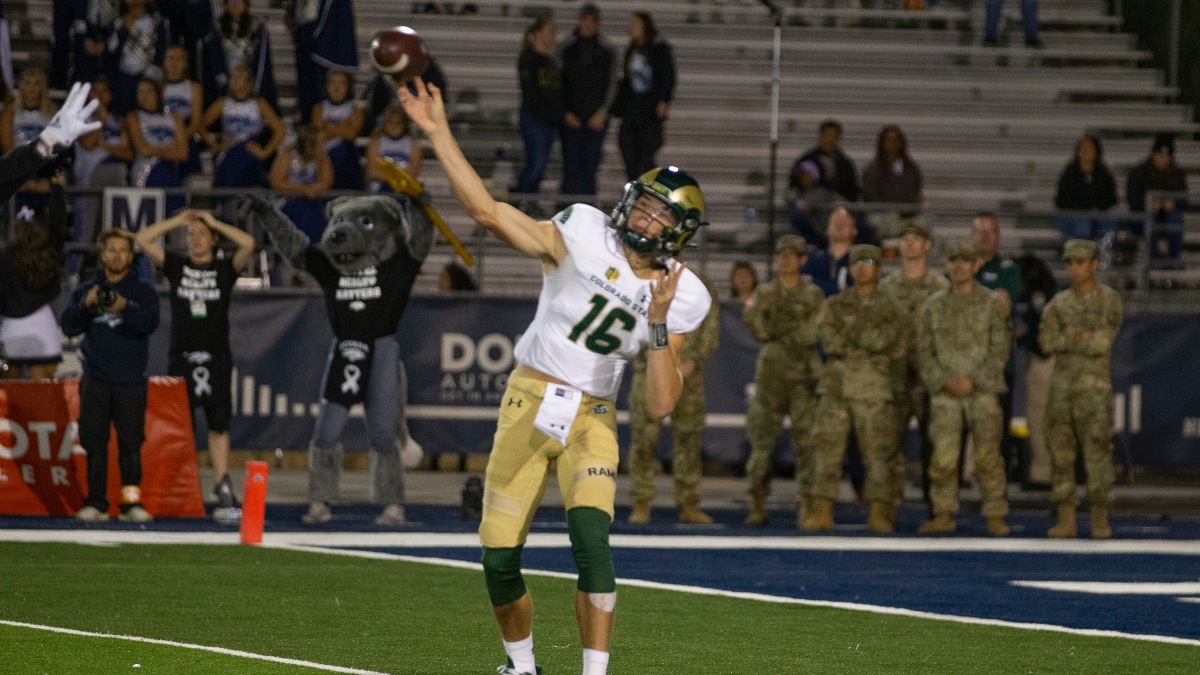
{"x": 225, "y": 609}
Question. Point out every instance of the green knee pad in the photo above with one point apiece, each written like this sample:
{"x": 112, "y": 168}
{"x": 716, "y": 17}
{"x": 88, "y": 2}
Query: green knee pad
{"x": 588, "y": 528}
{"x": 502, "y": 572}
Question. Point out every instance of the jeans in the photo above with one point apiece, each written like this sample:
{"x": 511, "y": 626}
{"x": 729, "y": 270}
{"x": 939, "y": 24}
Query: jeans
{"x": 1167, "y": 242}
{"x": 582, "y": 149}
{"x": 1082, "y": 227}
{"x": 1029, "y": 19}
{"x": 538, "y": 137}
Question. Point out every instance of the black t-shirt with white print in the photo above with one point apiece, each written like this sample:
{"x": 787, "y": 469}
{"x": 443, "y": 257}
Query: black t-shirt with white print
{"x": 199, "y": 303}
{"x": 364, "y": 305}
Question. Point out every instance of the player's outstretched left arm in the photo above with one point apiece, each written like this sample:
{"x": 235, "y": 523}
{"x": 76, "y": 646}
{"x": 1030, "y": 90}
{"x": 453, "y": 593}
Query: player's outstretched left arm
{"x": 664, "y": 381}
{"x": 534, "y": 238}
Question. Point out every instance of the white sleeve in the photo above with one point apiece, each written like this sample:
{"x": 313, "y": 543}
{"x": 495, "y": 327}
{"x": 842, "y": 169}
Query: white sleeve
{"x": 690, "y": 306}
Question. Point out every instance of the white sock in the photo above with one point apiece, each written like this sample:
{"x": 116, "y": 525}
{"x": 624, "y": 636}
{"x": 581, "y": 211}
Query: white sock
{"x": 521, "y": 654}
{"x": 595, "y": 662}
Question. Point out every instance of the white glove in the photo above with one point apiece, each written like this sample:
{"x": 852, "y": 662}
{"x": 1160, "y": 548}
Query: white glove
{"x": 71, "y": 122}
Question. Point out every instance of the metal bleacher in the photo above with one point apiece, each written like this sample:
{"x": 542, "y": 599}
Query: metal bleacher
{"x": 991, "y": 127}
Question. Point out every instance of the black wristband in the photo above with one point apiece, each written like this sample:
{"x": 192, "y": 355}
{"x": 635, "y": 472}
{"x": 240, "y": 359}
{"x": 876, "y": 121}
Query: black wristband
{"x": 658, "y": 336}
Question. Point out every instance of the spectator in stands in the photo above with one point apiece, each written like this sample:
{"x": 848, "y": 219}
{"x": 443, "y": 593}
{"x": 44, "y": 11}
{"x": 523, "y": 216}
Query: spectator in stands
{"x": 115, "y": 312}
{"x": 31, "y": 268}
{"x": 96, "y": 17}
{"x": 339, "y": 119}
{"x": 1004, "y": 277}
{"x": 137, "y": 45}
{"x": 1159, "y": 173}
{"x": 643, "y": 98}
{"x": 381, "y": 92}
{"x": 185, "y": 97}
{"x": 1029, "y": 23}
{"x": 829, "y": 268}
{"x": 101, "y": 160}
{"x": 893, "y": 177}
{"x": 239, "y": 39}
{"x": 589, "y": 70}
{"x": 1037, "y": 288}
{"x": 743, "y": 279}
{"x": 22, "y": 122}
{"x": 1087, "y": 187}
{"x": 245, "y": 118}
{"x": 323, "y": 33}
{"x": 201, "y": 282}
{"x": 392, "y": 140}
{"x": 540, "y": 75}
{"x": 811, "y": 203}
{"x": 305, "y": 171}
{"x": 836, "y": 171}
{"x": 455, "y": 277}
{"x": 159, "y": 140}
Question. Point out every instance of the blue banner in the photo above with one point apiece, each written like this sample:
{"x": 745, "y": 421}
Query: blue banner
{"x": 458, "y": 352}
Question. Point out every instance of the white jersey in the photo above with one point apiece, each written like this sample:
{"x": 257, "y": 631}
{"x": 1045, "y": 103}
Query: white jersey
{"x": 591, "y": 314}
{"x": 177, "y": 97}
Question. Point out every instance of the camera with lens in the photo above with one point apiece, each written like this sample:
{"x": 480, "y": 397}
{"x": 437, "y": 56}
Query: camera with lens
{"x": 106, "y": 296}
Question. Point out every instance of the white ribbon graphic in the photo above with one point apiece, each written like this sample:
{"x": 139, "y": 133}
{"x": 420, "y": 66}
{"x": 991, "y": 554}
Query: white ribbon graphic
{"x": 350, "y": 375}
{"x": 200, "y": 376}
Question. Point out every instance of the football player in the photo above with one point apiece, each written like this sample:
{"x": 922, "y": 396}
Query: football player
{"x": 610, "y": 288}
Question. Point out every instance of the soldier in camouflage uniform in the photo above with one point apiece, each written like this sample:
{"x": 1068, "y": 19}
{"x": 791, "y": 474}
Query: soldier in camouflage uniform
{"x": 783, "y": 315}
{"x": 1078, "y": 327}
{"x": 910, "y": 287}
{"x": 964, "y": 340}
{"x": 687, "y": 423}
{"x": 864, "y": 333}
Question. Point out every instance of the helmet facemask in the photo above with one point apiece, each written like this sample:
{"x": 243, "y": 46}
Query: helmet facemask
{"x": 680, "y": 193}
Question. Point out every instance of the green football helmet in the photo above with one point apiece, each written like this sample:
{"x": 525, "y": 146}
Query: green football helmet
{"x": 679, "y": 191}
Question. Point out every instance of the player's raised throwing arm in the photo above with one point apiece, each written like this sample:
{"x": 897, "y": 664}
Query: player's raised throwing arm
{"x": 534, "y": 238}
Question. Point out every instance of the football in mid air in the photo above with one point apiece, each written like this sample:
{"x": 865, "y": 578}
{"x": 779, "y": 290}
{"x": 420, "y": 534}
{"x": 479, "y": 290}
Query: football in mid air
{"x": 399, "y": 53}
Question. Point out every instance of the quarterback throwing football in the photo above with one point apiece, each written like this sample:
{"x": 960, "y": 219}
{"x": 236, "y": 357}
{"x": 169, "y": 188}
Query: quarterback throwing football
{"x": 610, "y": 288}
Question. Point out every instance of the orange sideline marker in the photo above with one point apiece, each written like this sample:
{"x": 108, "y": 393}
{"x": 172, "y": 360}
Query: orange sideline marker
{"x": 254, "y": 502}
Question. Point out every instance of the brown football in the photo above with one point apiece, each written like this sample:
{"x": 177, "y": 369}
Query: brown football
{"x": 399, "y": 53}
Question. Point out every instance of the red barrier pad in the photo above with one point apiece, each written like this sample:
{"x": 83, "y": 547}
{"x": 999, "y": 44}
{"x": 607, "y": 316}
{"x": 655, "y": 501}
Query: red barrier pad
{"x": 43, "y": 470}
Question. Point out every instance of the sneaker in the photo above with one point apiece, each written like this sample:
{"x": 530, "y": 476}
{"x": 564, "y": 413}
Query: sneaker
{"x": 318, "y": 513}
{"x": 136, "y": 514}
{"x": 223, "y": 491}
{"x": 393, "y": 514}
{"x": 991, "y": 42}
{"x": 507, "y": 669}
{"x": 412, "y": 454}
{"x": 1035, "y": 43}
{"x": 91, "y": 514}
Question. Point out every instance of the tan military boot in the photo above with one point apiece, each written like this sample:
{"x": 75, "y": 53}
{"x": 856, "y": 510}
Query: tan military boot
{"x": 818, "y": 517}
{"x": 640, "y": 515}
{"x": 997, "y": 527}
{"x": 1100, "y": 527}
{"x": 940, "y": 523}
{"x": 1065, "y": 527}
{"x": 758, "y": 511}
{"x": 690, "y": 514}
{"x": 879, "y": 520}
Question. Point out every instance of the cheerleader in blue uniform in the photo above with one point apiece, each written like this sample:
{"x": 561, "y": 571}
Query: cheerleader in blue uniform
{"x": 159, "y": 142}
{"x": 137, "y": 45}
{"x": 22, "y": 122}
{"x": 304, "y": 172}
{"x": 186, "y": 97}
{"x": 392, "y": 140}
{"x": 339, "y": 118}
{"x": 245, "y": 119}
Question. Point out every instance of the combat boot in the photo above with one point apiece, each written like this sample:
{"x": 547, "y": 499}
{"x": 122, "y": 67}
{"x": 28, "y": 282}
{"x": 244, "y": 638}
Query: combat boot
{"x": 690, "y": 514}
{"x": 1100, "y": 527}
{"x": 802, "y": 511}
{"x": 997, "y": 527}
{"x": 640, "y": 515}
{"x": 758, "y": 511}
{"x": 940, "y": 523}
{"x": 818, "y": 517}
{"x": 1065, "y": 527}
{"x": 879, "y": 520}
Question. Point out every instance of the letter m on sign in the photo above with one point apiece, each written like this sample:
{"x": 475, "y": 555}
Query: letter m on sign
{"x": 131, "y": 209}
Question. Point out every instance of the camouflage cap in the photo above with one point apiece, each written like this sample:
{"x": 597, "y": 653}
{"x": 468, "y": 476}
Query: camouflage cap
{"x": 792, "y": 244}
{"x": 962, "y": 249}
{"x": 917, "y": 227}
{"x": 861, "y": 252}
{"x": 1079, "y": 249}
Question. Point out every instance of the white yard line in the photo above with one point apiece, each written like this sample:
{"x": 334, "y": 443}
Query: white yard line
{"x": 188, "y": 645}
{"x": 761, "y": 597}
{"x": 686, "y": 542}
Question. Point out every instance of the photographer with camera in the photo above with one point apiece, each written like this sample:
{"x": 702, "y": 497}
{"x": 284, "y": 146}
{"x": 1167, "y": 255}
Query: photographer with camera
{"x": 115, "y": 312}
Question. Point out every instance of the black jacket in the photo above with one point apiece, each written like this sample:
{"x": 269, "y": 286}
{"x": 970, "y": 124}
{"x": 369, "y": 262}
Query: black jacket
{"x": 1079, "y": 191}
{"x": 115, "y": 346}
{"x": 17, "y": 167}
{"x": 1143, "y": 178}
{"x": 844, "y": 179}
{"x": 587, "y": 74}
{"x": 630, "y": 105}
{"x": 541, "y": 86}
